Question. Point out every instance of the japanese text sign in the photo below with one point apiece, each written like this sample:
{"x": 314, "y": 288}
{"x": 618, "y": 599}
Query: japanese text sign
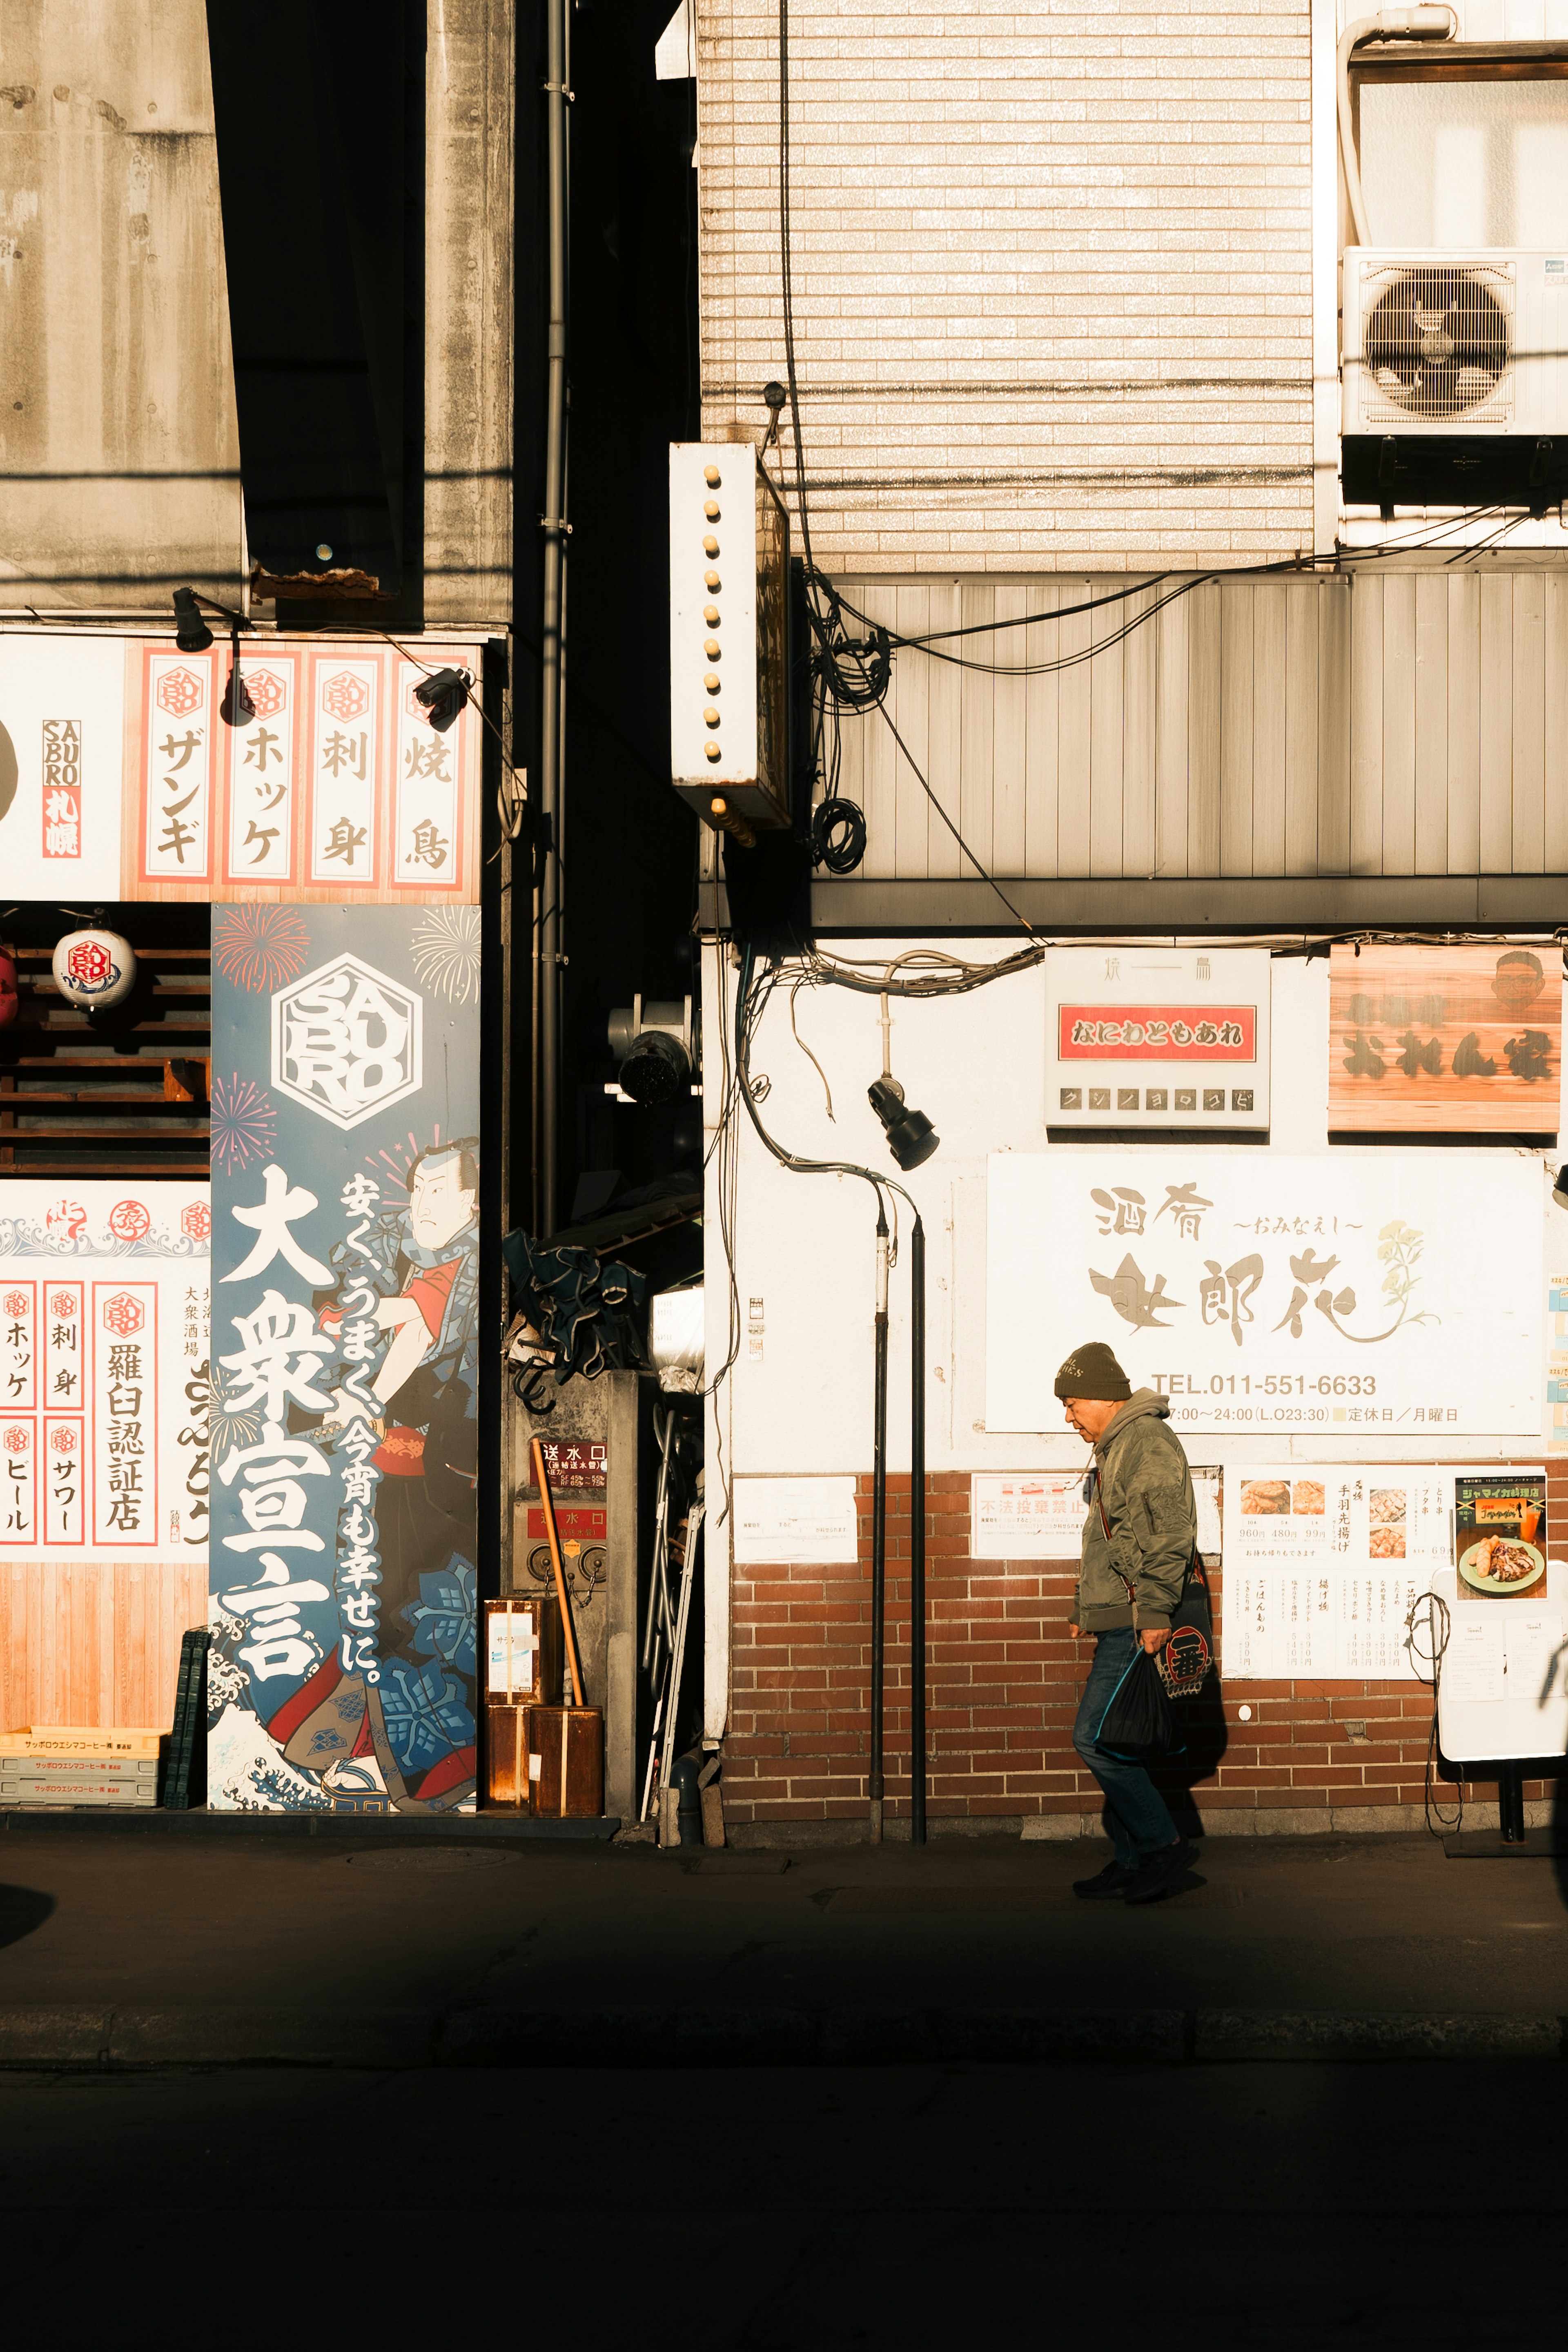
{"x": 346, "y": 1172}
{"x": 104, "y": 1372}
{"x": 315, "y": 773}
{"x": 62, "y": 728}
{"x": 1150, "y": 1037}
{"x": 1458, "y": 1039}
{"x": 1357, "y": 1291}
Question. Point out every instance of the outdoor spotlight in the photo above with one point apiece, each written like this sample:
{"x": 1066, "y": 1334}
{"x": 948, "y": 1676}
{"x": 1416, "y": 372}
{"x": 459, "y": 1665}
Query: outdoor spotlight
{"x": 442, "y": 695}
{"x": 911, "y": 1137}
{"x": 656, "y": 1070}
{"x": 1560, "y": 1189}
{"x": 192, "y": 633}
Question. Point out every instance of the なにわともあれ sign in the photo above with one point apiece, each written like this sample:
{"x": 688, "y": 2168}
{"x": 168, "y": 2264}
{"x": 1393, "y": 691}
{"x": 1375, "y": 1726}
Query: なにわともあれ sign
{"x": 345, "y": 1202}
{"x": 1379, "y": 1293}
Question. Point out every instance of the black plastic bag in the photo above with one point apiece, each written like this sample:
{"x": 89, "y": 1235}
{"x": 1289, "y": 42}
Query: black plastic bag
{"x": 1138, "y": 1723}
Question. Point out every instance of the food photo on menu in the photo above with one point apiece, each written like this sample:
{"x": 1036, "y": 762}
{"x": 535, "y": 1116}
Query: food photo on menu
{"x": 1499, "y": 1534}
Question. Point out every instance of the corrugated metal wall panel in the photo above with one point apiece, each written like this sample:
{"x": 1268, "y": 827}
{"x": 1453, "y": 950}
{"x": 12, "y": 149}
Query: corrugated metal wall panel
{"x": 1389, "y": 723}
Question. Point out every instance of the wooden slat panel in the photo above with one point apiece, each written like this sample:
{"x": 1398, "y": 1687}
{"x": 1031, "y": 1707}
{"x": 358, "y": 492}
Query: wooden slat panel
{"x": 1528, "y": 851}
{"x": 1497, "y": 723}
{"x": 1072, "y": 734}
{"x": 1236, "y": 730}
{"x": 1301, "y": 849}
{"x": 976, "y": 712}
{"x": 1107, "y": 735}
{"x": 1555, "y": 780}
{"x": 1399, "y": 723}
{"x": 1171, "y": 743}
{"x": 1334, "y": 611}
{"x": 1431, "y": 724}
{"x": 1269, "y": 654}
{"x": 94, "y": 1645}
{"x": 1009, "y": 831}
{"x": 1041, "y": 750}
{"x": 1464, "y": 701}
{"x": 1203, "y": 732}
{"x": 1141, "y": 680}
{"x": 911, "y": 702}
{"x": 1366, "y": 726}
{"x": 944, "y": 741}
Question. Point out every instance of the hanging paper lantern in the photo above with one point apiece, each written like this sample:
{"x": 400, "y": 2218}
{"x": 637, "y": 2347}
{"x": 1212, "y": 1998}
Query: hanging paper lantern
{"x": 94, "y": 968}
{"x": 7, "y": 990}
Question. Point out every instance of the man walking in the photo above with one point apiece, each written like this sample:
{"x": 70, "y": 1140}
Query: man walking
{"x": 1138, "y": 1541}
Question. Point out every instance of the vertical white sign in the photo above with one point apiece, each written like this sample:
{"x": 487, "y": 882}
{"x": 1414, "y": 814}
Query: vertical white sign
{"x": 261, "y": 773}
{"x": 345, "y": 722}
{"x": 426, "y": 846}
{"x": 179, "y": 722}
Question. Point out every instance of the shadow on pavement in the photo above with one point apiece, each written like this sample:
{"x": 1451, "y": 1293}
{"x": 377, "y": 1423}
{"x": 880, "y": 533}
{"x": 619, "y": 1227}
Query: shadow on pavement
{"x": 22, "y": 1910}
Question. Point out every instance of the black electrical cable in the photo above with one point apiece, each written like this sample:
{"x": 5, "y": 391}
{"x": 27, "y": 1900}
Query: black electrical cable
{"x": 747, "y": 1013}
{"x": 838, "y": 834}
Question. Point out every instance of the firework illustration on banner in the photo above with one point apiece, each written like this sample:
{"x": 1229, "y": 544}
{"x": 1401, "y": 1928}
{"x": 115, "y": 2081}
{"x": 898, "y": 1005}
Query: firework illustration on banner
{"x": 345, "y": 1380}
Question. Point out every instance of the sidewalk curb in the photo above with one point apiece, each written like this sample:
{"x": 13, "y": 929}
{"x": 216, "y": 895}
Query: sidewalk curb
{"x": 113, "y": 2040}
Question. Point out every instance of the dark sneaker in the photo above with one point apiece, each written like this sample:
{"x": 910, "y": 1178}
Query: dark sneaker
{"x": 1112, "y": 1883}
{"x": 1158, "y": 1872}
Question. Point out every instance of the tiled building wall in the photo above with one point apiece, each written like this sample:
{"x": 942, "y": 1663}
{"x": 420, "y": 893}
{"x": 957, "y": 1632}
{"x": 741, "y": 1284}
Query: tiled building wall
{"x": 1003, "y": 1685}
{"x": 1051, "y": 265}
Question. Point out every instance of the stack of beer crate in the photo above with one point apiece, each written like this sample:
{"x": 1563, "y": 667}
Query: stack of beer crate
{"x": 69, "y": 1764}
{"x": 522, "y": 1672}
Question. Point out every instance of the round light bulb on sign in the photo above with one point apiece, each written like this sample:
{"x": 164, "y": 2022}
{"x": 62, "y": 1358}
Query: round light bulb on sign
{"x": 95, "y": 969}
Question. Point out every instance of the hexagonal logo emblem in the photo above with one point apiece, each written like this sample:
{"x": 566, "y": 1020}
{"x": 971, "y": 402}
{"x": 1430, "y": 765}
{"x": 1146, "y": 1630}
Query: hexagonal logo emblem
{"x": 345, "y": 695}
{"x": 347, "y": 1042}
{"x": 123, "y": 1315}
{"x": 268, "y": 692}
{"x": 180, "y": 691}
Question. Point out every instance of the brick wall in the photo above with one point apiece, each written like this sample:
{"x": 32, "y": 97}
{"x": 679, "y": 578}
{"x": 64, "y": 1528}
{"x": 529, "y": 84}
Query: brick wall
{"x": 1052, "y": 275}
{"x": 1003, "y": 1685}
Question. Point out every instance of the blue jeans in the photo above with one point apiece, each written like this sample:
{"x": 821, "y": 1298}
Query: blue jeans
{"x": 1137, "y": 1815}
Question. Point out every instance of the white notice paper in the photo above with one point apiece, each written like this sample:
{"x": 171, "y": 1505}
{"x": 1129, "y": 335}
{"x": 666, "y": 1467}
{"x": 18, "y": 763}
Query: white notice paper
{"x": 513, "y": 1641}
{"x": 809, "y": 1521}
{"x": 1029, "y": 1515}
{"x": 1529, "y": 1649}
{"x": 1473, "y": 1661}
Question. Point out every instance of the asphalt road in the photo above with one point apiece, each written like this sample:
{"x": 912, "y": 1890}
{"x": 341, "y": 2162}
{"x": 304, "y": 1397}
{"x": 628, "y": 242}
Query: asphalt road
{"x": 1375, "y": 1922}
{"x": 1281, "y": 2206}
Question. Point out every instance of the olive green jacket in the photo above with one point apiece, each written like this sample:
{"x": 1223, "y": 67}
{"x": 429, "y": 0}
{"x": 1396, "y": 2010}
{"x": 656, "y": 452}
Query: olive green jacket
{"x": 1147, "y": 1489}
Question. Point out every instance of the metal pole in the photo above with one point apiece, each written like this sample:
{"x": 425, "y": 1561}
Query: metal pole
{"x": 1511, "y": 1803}
{"x": 554, "y": 524}
{"x": 878, "y": 1530}
{"x": 917, "y": 1535}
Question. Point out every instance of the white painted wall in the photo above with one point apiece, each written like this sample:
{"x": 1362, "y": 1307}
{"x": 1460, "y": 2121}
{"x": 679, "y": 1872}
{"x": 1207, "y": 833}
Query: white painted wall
{"x": 804, "y": 1245}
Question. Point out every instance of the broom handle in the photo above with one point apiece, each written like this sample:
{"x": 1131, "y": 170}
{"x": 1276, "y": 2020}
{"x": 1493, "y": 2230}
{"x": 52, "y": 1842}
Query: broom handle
{"x": 541, "y": 1480}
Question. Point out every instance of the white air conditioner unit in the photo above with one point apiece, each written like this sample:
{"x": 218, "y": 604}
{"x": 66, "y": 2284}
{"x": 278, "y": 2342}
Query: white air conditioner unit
{"x": 1472, "y": 344}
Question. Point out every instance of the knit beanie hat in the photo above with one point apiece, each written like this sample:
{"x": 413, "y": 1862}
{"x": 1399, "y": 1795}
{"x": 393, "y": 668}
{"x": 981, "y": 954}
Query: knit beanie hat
{"x": 1093, "y": 1371}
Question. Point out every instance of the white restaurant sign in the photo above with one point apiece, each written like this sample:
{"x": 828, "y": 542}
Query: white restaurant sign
{"x": 1144, "y": 1036}
{"x": 131, "y": 770}
{"x": 104, "y": 1302}
{"x": 1395, "y": 1295}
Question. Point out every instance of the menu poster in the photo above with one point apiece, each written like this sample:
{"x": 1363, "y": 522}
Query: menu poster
{"x": 1500, "y": 1535}
{"x": 1322, "y": 1563}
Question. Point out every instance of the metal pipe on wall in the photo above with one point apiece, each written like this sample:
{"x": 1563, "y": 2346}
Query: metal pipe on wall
{"x": 917, "y": 1535}
{"x": 548, "y": 905}
{"x": 878, "y": 1530}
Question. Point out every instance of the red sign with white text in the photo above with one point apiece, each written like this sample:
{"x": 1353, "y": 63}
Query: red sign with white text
{"x": 1157, "y": 1032}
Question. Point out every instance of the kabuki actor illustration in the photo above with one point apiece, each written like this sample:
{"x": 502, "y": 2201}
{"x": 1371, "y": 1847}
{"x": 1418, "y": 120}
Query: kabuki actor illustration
{"x": 1359, "y": 1293}
{"x": 345, "y": 1398}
